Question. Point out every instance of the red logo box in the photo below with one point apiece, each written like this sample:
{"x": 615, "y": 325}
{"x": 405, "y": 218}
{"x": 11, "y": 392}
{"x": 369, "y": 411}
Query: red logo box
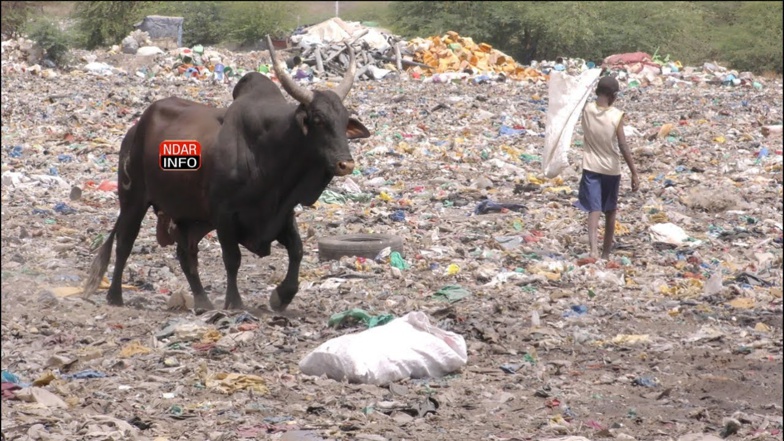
{"x": 180, "y": 155}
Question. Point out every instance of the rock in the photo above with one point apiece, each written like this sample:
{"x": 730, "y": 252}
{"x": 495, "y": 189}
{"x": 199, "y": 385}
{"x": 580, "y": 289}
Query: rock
{"x": 147, "y": 51}
{"x": 129, "y": 45}
{"x": 731, "y": 427}
{"x": 568, "y": 438}
{"x": 57, "y": 361}
{"x": 699, "y": 437}
{"x": 41, "y": 396}
{"x": 366, "y": 437}
{"x": 162, "y": 28}
{"x": 300, "y": 435}
{"x": 180, "y": 299}
{"x": 483, "y": 183}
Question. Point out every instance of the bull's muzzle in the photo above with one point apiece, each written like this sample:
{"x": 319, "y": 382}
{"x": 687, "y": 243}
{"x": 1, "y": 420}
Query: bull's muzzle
{"x": 344, "y": 168}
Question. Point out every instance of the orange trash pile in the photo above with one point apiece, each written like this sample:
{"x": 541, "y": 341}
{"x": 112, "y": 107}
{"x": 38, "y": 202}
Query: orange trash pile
{"x": 453, "y": 53}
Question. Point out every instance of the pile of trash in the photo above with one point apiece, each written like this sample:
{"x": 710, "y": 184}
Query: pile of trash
{"x": 529, "y": 337}
{"x": 641, "y": 69}
{"x": 25, "y": 56}
{"x": 453, "y": 53}
{"x": 319, "y": 54}
{"x": 322, "y": 49}
{"x": 139, "y": 43}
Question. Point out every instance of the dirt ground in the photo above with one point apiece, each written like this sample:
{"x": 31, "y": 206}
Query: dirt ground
{"x": 650, "y": 358}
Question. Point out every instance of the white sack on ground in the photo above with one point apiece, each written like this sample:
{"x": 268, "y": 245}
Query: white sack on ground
{"x": 407, "y": 347}
{"x": 566, "y": 97}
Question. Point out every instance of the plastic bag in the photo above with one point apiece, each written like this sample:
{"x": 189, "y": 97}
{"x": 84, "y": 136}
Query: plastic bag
{"x": 407, "y": 347}
{"x": 566, "y": 95}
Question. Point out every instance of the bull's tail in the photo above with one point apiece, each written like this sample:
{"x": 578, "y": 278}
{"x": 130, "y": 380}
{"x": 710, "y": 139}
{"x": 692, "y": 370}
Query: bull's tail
{"x": 99, "y": 266}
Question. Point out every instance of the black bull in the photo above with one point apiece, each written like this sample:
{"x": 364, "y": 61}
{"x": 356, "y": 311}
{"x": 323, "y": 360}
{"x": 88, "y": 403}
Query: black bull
{"x": 261, "y": 157}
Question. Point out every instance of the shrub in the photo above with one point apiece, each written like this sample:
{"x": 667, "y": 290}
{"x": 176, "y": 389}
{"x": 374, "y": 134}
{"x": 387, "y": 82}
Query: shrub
{"x": 55, "y": 42}
{"x": 13, "y": 16}
{"x": 249, "y": 22}
{"x": 203, "y": 21}
{"x": 108, "y": 22}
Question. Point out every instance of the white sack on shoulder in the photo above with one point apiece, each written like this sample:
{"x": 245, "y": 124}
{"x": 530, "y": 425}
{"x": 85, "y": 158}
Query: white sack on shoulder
{"x": 566, "y": 97}
{"x": 407, "y": 347}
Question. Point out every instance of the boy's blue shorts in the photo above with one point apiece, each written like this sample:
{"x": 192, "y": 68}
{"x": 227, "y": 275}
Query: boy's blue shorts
{"x": 598, "y": 192}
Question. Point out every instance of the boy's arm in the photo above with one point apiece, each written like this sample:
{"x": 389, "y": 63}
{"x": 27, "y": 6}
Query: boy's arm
{"x": 627, "y": 154}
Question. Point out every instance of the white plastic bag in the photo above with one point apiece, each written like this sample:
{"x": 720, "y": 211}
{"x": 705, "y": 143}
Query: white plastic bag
{"x": 671, "y": 234}
{"x": 407, "y": 347}
{"x": 566, "y": 97}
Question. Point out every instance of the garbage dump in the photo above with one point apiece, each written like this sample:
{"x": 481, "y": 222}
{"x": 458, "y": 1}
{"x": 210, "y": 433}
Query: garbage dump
{"x": 677, "y": 334}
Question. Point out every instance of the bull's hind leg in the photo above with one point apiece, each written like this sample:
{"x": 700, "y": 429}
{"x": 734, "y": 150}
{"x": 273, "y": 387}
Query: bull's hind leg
{"x": 285, "y": 292}
{"x": 127, "y": 228}
{"x": 188, "y": 254}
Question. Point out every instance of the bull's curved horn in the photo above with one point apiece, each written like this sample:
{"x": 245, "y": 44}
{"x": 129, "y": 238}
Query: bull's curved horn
{"x": 296, "y": 91}
{"x": 348, "y": 79}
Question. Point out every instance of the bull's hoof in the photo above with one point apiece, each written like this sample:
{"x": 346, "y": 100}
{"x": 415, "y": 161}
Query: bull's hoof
{"x": 114, "y": 300}
{"x": 235, "y": 304}
{"x": 275, "y": 303}
{"x": 203, "y": 302}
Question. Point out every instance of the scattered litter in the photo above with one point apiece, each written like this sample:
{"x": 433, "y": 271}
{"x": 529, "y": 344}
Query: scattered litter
{"x": 452, "y": 293}
{"x": 371, "y": 321}
{"x": 494, "y": 251}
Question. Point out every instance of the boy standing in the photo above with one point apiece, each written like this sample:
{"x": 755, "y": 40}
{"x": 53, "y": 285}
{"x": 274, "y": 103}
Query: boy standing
{"x": 602, "y": 126}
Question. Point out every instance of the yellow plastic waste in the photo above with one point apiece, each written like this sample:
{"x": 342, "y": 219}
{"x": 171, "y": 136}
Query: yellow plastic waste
{"x": 630, "y": 339}
{"x": 551, "y": 276}
{"x": 563, "y": 189}
{"x": 452, "y": 269}
{"x": 453, "y": 53}
{"x": 211, "y": 336}
{"x": 621, "y": 229}
{"x": 742, "y": 303}
{"x": 511, "y": 151}
{"x": 134, "y": 348}
{"x": 44, "y": 379}
{"x": 534, "y": 180}
{"x": 762, "y": 327}
{"x": 230, "y": 383}
{"x": 665, "y": 130}
{"x": 659, "y": 218}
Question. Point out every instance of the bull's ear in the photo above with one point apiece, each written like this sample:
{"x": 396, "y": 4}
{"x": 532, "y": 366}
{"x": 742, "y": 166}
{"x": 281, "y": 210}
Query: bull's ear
{"x": 356, "y": 129}
{"x": 301, "y": 115}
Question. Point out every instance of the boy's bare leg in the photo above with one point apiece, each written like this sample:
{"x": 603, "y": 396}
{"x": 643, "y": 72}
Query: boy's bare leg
{"x": 593, "y": 226}
{"x": 609, "y": 233}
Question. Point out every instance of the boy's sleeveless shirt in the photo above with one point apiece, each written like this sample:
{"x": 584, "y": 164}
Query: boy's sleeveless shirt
{"x": 601, "y": 153}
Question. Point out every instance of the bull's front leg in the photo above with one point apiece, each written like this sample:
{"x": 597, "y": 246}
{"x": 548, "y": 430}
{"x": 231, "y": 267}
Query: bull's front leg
{"x": 230, "y": 247}
{"x": 285, "y": 292}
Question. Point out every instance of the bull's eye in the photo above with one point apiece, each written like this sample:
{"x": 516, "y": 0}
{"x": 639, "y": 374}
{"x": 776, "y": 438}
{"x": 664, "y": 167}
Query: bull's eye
{"x": 317, "y": 120}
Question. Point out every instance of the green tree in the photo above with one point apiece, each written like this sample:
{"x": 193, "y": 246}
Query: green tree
{"x": 54, "y": 41}
{"x": 204, "y": 21}
{"x": 747, "y": 35}
{"x": 13, "y": 16}
{"x": 525, "y": 30}
{"x": 108, "y": 22}
{"x": 249, "y": 22}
